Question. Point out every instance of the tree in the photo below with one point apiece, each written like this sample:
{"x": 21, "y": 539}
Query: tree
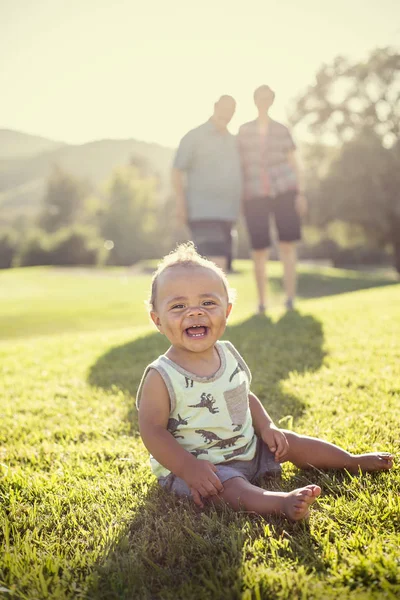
{"x": 129, "y": 218}
{"x": 8, "y": 247}
{"x": 361, "y": 188}
{"x": 75, "y": 245}
{"x": 64, "y": 201}
{"x": 357, "y": 107}
{"x": 348, "y": 98}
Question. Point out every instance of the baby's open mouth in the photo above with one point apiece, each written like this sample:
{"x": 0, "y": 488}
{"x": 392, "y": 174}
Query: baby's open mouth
{"x": 197, "y": 331}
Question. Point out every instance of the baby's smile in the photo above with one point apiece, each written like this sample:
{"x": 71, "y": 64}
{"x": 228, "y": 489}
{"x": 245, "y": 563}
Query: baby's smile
{"x": 196, "y": 331}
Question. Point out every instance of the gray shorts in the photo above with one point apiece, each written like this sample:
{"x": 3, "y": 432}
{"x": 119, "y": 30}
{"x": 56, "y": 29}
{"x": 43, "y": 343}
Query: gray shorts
{"x": 212, "y": 238}
{"x": 262, "y": 464}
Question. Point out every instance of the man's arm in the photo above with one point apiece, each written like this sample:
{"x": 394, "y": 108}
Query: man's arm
{"x": 182, "y": 164}
{"x": 178, "y": 184}
{"x": 154, "y": 412}
{"x": 240, "y": 137}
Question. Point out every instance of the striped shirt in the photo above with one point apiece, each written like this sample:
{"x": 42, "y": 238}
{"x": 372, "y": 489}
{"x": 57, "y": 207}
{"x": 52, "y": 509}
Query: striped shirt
{"x": 265, "y": 166}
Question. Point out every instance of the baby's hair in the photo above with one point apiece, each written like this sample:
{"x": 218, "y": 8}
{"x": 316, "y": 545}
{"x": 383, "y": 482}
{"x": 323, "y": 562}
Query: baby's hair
{"x": 186, "y": 255}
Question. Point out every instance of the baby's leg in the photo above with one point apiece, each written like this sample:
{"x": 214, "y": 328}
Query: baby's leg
{"x": 306, "y": 452}
{"x": 240, "y": 494}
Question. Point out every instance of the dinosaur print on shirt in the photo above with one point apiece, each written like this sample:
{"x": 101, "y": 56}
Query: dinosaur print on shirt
{"x": 209, "y": 415}
{"x": 197, "y": 451}
{"x": 228, "y": 442}
{"x": 209, "y": 436}
{"x": 236, "y": 371}
{"x": 173, "y": 425}
{"x": 236, "y": 452}
{"x": 207, "y": 401}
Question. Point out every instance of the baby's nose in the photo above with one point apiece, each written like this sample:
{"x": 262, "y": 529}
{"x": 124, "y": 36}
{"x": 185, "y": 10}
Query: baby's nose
{"x": 196, "y": 310}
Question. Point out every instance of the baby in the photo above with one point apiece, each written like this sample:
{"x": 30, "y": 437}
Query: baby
{"x": 209, "y": 436}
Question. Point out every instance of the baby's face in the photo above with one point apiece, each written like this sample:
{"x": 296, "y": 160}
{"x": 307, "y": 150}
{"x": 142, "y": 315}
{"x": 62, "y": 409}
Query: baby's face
{"x": 191, "y": 307}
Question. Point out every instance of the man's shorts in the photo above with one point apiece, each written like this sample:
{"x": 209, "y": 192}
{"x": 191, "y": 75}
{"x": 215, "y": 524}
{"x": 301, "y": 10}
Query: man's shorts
{"x": 212, "y": 238}
{"x": 263, "y": 464}
{"x": 258, "y": 212}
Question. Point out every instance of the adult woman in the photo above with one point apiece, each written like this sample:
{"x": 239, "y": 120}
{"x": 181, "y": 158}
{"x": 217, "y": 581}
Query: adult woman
{"x": 271, "y": 188}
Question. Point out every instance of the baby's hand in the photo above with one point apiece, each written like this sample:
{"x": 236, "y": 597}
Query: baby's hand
{"x": 202, "y": 480}
{"x": 276, "y": 442}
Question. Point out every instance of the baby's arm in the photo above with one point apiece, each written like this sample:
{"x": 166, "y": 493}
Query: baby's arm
{"x": 266, "y": 429}
{"x": 154, "y": 412}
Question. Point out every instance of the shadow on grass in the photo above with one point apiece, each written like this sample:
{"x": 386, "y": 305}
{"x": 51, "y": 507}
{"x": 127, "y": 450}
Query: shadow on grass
{"x": 273, "y": 350}
{"x": 317, "y": 284}
{"x": 171, "y": 550}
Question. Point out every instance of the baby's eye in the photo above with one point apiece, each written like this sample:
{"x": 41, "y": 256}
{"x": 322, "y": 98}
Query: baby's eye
{"x": 176, "y": 306}
{"x": 208, "y": 302}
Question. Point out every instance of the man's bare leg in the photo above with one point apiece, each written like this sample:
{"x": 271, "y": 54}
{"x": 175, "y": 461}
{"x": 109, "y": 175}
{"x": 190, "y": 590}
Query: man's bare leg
{"x": 260, "y": 258}
{"x": 288, "y": 256}
{"x": 240, "y": 494}
{"x": 306, "y": 452}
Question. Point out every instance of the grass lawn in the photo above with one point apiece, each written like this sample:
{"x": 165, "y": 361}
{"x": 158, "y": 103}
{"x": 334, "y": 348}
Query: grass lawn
{"x": 80, "y": 513}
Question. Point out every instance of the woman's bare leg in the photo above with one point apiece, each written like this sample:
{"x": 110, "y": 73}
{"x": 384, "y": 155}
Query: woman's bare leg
{"x": 288, "y": 256}
{"x": 240, "y": 494}
{"x": 306, "y": 452}
{"x": 260, "y": 258}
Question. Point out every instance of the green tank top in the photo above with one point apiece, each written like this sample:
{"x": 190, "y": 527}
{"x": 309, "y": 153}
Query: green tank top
{"x": 209, "y": 416}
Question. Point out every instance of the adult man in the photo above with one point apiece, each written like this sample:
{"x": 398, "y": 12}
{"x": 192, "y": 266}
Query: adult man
{"x": 271, "y": 188}
{"x": 206, "y": 177}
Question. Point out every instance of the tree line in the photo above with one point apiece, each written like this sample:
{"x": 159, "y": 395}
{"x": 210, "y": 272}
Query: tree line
{"x": 120, "y": 224}
{"x": 353, "y": 110}
{"x": 350, "y": 119}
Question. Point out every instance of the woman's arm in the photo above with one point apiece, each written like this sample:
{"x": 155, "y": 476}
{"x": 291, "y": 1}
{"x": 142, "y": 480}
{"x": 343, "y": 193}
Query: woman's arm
{"x": 301, "y": 201}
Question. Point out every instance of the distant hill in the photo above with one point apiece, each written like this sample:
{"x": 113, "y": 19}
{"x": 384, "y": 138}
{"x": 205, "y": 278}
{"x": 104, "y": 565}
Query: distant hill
{"x": 15, "y": 144}
{"x": 23, "y": 179}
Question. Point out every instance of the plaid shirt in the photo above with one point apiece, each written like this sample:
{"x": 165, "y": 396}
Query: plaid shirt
{"x": 266, "y": 170}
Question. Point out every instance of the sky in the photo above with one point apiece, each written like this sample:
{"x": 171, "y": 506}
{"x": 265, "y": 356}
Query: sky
{"x": 85, "y": 70}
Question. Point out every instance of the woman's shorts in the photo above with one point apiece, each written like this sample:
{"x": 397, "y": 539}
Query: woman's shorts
{"x": 263, "y": 464}
{"x": 258, "y": 212}
{"x": 212, "y": 238}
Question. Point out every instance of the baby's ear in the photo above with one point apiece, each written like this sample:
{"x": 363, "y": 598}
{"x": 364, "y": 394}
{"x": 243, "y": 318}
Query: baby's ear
{"x": 155, "y": 318}
{"x": 228, "y": 310}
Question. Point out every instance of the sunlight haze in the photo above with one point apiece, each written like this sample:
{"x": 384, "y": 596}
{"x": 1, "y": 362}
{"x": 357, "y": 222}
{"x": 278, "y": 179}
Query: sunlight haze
{"x": 82, "y": 71}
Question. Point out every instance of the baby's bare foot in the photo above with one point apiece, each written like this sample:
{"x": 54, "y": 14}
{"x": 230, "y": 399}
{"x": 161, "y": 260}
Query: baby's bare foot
{"x": 375, "y": 461}
{"x": 297, "y": 503}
